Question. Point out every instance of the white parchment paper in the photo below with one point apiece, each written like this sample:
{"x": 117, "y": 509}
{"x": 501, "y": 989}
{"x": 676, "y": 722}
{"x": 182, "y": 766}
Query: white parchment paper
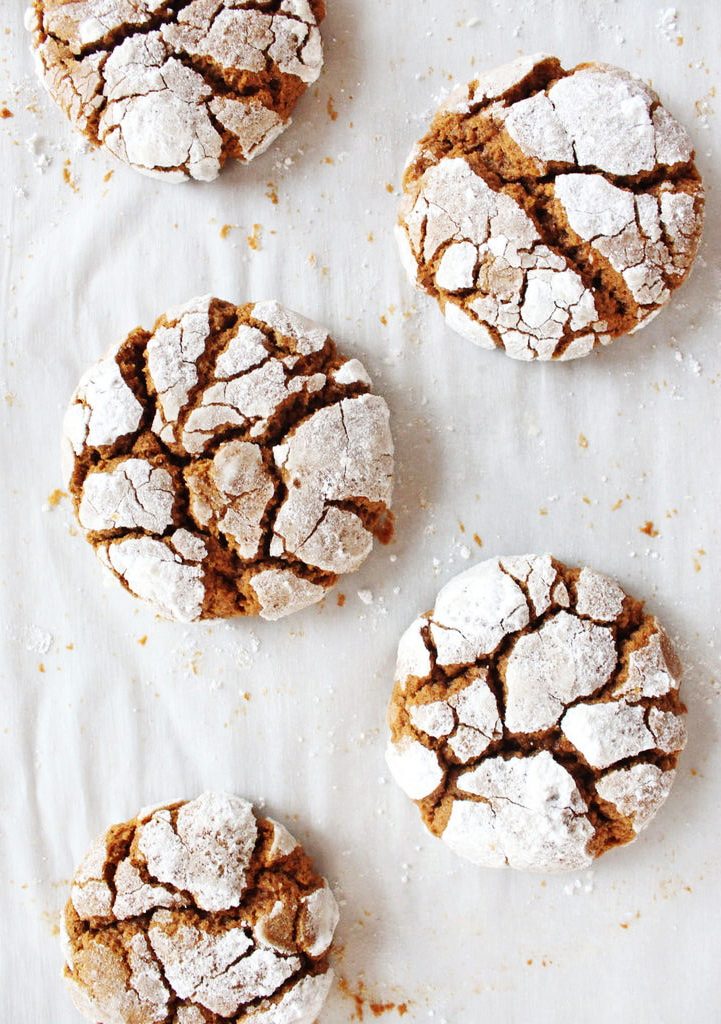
{"x": 104, "y": 709}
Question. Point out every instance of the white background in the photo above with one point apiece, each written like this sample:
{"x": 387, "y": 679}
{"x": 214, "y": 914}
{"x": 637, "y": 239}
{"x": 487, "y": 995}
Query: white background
{"x": 111, "y": 724}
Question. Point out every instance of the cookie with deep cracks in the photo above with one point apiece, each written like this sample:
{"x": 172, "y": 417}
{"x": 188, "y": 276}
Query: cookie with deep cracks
{"x": 199, "y": 912}
{"x": 549, "y": 211}
{"x": 229, "y": 462}
{"x": 535, "y": 719}
{"x": 176, "y": 87}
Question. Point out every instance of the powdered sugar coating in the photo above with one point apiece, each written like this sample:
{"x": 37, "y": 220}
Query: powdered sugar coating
{"x": 246, "y": 470}
{"x": 176, "y": 954}
{"x": 527, "y": 705}
{"x": 175, "y": 91}
{"x": 531, "y": 181}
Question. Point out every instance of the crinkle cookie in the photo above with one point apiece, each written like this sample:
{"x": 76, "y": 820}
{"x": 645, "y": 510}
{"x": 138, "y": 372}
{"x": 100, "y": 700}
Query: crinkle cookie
{"x": 535, "y": 719}
{"x": 229, "y": 462}
{"x": 551, "y": 211}
{"x": 198, "y": 913}
{"x": 176, "y": 87}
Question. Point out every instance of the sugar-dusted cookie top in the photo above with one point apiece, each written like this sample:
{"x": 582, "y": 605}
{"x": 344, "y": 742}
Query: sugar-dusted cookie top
{"x": 229, "y": 462}
{"x": 176, "y": 88}
{"x": 198, "y": 913}
{"x": 535, "y": 718}
{"x": 551, "y": 211}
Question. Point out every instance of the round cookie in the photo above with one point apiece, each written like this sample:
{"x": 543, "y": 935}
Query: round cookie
{"x": 175, "y": 89}
{"x": 198, "y": 913}
{"x": 535, "y": 718}
{"x": 551, "y": 211}
{"x": 229, "y": 462}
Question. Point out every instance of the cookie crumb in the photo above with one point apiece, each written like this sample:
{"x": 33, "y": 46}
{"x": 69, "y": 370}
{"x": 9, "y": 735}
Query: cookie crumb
{"x": 55, "y": 497}
{"x": 254, "y": 240}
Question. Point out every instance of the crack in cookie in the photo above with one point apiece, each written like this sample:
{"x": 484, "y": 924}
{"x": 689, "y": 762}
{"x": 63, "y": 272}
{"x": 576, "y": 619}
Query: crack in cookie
{"x": 535, "y": 718}
{"x": 176, "y": 87}
{"x": 551, "y": 211}
{"x": 198, "y": 913}
{"x": 229, "y": 462}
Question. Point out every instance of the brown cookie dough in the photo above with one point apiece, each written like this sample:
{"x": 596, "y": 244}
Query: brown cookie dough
{"x": 176, "y": 87}
{"x": 550, "y": 211}
{"x": 536, "y": 718}
{"x": 198, "y": 913}
{"x": 229, "y": 462}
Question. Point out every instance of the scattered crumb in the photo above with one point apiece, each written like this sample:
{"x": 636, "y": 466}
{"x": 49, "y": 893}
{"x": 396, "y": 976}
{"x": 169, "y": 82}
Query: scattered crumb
{"x": 55, "y": 497}
{"x": 649, "y": 529}
{"x": 254, "y": 240}
{"x": 68, "y": 177}
{"x": 362, "y": 1001}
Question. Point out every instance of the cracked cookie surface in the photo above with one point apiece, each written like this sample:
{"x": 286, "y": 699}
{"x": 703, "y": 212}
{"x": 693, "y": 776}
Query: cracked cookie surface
{"x": 199, "y": 912}
{"x": 550, "y": 211}
{"x": 176, "y": 87}
{"x": 535, "y": 717}
{"x": 229, "y": 462}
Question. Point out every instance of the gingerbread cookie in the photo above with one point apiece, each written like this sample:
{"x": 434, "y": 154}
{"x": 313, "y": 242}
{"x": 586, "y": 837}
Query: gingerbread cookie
{"x": 229, "y": 462}
{"x": 551, "y": 211}
{"x": 199, "y": 913}
{"x": 175, "y": 89}
{"x": 536, "y": 718}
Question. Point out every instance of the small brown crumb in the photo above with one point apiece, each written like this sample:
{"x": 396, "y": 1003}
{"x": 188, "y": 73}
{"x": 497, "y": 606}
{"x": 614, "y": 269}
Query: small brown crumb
{"x": 330, "y": 107}
{"x": 55, "y": 497}
{"x": 582, "y": 441}
{"x": 5, "y": 113}
{"x": 142, "y": 640}
{"x": 254, "y": 240}
{"x": 68, "y": 177}
{"x": 340, "y": 600}
{"x": 649, "y": 529}
{"x": 272, "y": 193}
